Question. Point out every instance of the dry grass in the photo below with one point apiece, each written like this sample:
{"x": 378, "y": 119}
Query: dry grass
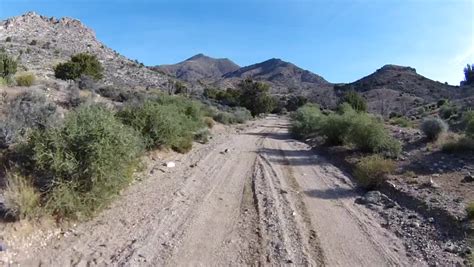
{"x": 22, "y": 200}
{"x": 371, "y": 171}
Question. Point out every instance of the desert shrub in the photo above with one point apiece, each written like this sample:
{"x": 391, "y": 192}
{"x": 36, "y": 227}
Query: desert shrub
{"x": 80, "y": 64}
{"x": 335, "y": 128}
{"x": 356, "y": 101}
{"x": 371, "y": 171}
{"x": 369, "y": 135}
{"x": 168, "y": 122}
{"x": 346, "y": 126}
{"x": 468, "y": 120}
{"x": 235, "y": 115}
{"x": 8, "y": 65}
{"x": 295, "y": 102}
{"x": 255, "y": 96}
{"x": 229, "y": 97}
{"x": 3, "y": 81}
{"x": 22, "y": 199}
{"x": 209, "y": 122}
{"x": 306, "y": 120}
{"x": 224, "y": 118}
{"x": 83, "y": 163}
{"x": 26, "y": 112}
{"x": 447, "y": 110}
{"x": 402, "y": 122}
{"x": 241, "y": 114}
{"x": 461, "y": 145}
{"x": 25, "y": 79}
{"x": 470, "y": 211}
{"x": 433, "y": 128}
{"x": 202, "y": 136}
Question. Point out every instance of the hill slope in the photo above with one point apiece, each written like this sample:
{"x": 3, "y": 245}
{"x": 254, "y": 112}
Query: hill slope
{"x": 199, "y": 67}
{"x": 399, "y": 89}
{"x": 40, "y": 43}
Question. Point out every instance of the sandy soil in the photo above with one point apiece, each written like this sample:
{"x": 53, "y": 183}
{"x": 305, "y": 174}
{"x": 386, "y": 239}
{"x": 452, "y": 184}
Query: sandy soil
{"x": 249, "y": 197}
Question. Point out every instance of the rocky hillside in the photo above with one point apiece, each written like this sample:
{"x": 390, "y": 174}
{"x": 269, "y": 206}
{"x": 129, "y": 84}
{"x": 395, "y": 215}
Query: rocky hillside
{"x": 40, "y": 43}
{"x": 399, "y": 89}
{"x": 199, "y": 67}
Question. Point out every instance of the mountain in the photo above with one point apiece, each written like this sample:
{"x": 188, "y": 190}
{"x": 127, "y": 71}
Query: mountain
{"x": 39, "y": 43}
{"x": 199, "y": 67}
{"x": 399, "y": 89}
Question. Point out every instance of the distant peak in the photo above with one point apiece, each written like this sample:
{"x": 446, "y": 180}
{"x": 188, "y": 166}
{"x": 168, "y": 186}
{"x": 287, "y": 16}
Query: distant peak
{"x": 198, "y": 56}
{"x": 392, "y": 67}
{"x": 31, "y": 14}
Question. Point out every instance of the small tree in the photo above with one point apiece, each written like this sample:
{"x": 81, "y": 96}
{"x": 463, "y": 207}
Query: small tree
{"x": 255, "y": 97}
{"x": 8, "y": 65}
{"x": 80, "y": 64}
{"x": 357, "y": 102}
{"x": 294, "y": 102}
{"x": 468, "y": 75}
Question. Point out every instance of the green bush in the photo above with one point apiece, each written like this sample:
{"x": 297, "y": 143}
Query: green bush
{"x": 462, "y": 145}
{"x": 241, "y": 114}
{"x": 167, "y": 122}
{"x": 468, "y": 120}
{"x": 433, "y": 128}
{"x": 369, "y": 135}
{"x": 346, "y": 127}
{"x": 447, "y": 110}
{"x": 235, "y": 115}
{"x": 8, "y": 65}
{"x": 356, "y": 101}
{"x": 25, "y": 79}
{"x": 80, "y": 64}
{"x": 224, "y": 118}
{"x": 202, "y": 136}
{"x": 371, "y": 171}
{"x": 255, "y": 96}
{"x": 335, "y": 128}
{"x": 470, "y": 211}
{"x": 306, "y": 120}
{"x": 402, "y": 122}
{"x": 83, "y": 163}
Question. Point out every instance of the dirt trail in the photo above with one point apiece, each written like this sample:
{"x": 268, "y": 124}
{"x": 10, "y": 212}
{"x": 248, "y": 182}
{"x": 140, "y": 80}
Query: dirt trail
{"x": 248, "y": 198}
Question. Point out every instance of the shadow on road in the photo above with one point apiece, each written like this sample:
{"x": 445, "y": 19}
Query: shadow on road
{"x": 336, "y": 193}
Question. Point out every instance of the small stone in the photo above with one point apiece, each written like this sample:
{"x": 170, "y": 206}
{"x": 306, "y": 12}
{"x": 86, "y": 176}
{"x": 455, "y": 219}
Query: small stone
{"x": 282, "y": 191}
{"x": 170, "y": 164}
{"x": 3, "y": 247}
{"x": 468, "y": 179}
{"x": 431, "y": 220}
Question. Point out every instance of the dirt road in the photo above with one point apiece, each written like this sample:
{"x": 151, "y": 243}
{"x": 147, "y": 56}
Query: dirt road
{"x": 249, "y": 197}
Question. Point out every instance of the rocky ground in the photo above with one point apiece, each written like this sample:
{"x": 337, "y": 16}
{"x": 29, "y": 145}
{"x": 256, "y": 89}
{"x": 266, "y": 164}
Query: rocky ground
{"x": 424, "y": 202}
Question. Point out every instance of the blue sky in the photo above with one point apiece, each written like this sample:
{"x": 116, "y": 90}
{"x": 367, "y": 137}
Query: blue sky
{"x": 341, "y": 40}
